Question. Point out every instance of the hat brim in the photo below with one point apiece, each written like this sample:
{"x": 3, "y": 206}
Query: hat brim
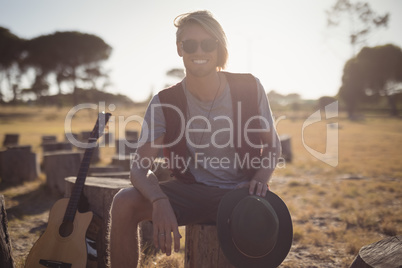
{"x": 285, "y": 233}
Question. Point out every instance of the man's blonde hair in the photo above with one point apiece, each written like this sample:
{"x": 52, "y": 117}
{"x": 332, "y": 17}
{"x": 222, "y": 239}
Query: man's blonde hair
{"x": 206, "y": 20}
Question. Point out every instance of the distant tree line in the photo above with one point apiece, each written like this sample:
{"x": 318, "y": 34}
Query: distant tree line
{"x": 65, "y": 60}
{"x": 373, "y": 74}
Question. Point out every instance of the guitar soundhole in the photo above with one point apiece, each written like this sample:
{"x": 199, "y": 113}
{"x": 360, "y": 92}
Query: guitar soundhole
{"x": 66, "y": 228}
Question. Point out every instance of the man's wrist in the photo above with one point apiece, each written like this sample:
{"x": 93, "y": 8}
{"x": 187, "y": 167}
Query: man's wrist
{"x": 158, "y": 198}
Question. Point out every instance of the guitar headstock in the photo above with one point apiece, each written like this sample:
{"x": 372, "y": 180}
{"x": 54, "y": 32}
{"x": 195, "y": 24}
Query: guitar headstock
{"x": 100, "y": 125}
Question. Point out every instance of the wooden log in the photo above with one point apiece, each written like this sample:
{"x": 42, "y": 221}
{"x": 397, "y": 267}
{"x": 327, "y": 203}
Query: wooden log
{"x": 99, "y": 192}
{"x": 18, "y": 164}
{"x": 286, "y": 147}
{"x": 113, "y": 175}
{"x": 11, "y": 140}
{"x": 202, "y": 248}
{"x": 6, "y": 259}
{"x": 106, "y": 139}
{"x": 71, "y": 137}
{"x": 131, "y": 135}
{"x": 122, "y": 161}
{"x": 59, "y": 165}
{"x": 24, "y": 148}
{"x": 84, "y": 135}
{"x": 56, "y": 146}
{"x": 385, "y": 253}
{"x": 125, "y": 146}
{"x": 103, "y": 169}
{"x": 95, "y": 154}
{"x": 49, "y": 139}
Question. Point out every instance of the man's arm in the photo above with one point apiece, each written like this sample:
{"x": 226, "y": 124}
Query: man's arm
{"x": 272, "y": 146}
{"x": 271, "y": 152}
{"x": 163, "y": 218}
{"x": 141, "y": 177}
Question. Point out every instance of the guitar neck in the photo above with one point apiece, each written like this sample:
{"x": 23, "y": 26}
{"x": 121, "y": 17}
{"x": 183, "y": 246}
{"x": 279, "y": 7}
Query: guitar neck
{"x": 80, "y": 182}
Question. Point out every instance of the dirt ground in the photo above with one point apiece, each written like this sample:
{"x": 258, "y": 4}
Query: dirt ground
{"x": 333, "y": 215}
{"x": 28, "y": 208}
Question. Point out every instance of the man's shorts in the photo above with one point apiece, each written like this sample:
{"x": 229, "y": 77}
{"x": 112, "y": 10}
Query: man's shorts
{"x": 193, "y": 203}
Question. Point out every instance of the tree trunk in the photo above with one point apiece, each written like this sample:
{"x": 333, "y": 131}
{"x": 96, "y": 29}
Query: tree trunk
{"x": 202, "y": 248}
{"x": 99, "y": 193}
{"x": 6, "y": 261}
{"x": 58, "y": 166}
{"x": 392, "y": 103}
{"x": 18, "y": 164}
{"x": 385, "y": 253}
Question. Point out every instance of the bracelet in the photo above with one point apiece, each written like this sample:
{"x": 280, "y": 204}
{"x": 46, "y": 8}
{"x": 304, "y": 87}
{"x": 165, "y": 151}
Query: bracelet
{"x": 159, "y": 198}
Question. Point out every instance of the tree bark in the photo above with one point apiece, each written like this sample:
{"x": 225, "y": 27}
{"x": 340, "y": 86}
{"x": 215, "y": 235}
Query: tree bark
{"x": 202, "y": 248}
{"x": 6, "y": 260}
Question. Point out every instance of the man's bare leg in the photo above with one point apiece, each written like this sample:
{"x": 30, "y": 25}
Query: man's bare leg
{"x": 128, "y": 209}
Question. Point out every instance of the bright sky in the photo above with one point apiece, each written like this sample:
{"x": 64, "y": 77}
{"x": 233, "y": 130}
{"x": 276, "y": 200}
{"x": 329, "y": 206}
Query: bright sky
{"x": 286, "y": 43}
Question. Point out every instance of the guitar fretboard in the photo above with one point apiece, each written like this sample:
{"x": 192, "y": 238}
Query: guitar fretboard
{"x": 80, "y": 182}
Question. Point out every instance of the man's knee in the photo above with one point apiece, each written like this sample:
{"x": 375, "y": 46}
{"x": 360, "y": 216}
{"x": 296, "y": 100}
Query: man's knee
{"x": 130, "y": 202}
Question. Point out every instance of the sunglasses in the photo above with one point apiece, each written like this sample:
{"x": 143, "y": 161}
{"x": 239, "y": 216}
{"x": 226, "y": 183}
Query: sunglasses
{"x": 190, "y": 46}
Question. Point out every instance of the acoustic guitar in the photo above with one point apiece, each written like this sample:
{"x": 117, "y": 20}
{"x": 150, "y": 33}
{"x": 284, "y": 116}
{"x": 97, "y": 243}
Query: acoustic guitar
{"x": 63, "y": 244}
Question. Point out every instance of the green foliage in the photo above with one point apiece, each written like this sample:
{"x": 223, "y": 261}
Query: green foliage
{"x": 10, "y": 47}
{"x": 65, "y": 50}
{"x": 374, "y": 72}
{"x": 71, "y": 57}
{"x": 10, "y": 56}
{"x": 87, "y": 96}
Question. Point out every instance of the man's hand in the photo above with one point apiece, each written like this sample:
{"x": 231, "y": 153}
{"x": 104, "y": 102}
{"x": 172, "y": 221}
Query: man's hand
{"x": 256, "y": 187}
{"x": 165, "y": 223}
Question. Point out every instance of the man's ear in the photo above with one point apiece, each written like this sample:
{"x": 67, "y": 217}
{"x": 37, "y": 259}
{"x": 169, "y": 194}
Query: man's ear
{"x": 179, "y": 49}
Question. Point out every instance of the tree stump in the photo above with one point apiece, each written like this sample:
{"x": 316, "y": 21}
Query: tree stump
{"x": 126, "y": 146}
{"x": 49, "y": 139}
{"x": 59, "y": 165}
{"x": 113, "y": 175}
{"x": 11, "y": 140}
{"x": 71, "y": 137}
{"x": 95, "y": 154}
{"x": 106, "y": 139}
{"x": 84, "y": 135}
{"x": 386, "y": 253}
{"x": 56, "y": 146}
{"x": 6, "y": 260}
{"x": 122, "y": 161}
{"x": 202, "y": 248}
{"x": 99, "y": 192}
{"x": 131, "y": 135}
{"x": 103, "y": 169}
{"x": 286, "y": 147}
{"x": 18, "y": 164}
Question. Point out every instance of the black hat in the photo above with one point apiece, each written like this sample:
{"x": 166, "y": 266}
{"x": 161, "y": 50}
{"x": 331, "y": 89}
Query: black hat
{"x": 254, "y": 231}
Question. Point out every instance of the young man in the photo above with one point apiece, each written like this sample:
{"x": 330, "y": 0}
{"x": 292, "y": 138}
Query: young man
{"x": 217, "y": 132}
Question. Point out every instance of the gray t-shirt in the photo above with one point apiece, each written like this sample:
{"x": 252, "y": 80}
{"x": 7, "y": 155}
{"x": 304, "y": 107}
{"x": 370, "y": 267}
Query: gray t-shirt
{"x": 209, "y": 134}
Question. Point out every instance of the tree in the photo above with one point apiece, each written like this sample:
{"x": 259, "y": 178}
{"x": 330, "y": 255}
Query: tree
{"x": 374, "y": 72}
{"x": 325, "y": 101}
{"x": 10, "y": 55}
{"x": 176, "y": 72}
{"x": 72, "y": 56}
{"x": 362, "y": 20}
{"x": 175, "y": 75}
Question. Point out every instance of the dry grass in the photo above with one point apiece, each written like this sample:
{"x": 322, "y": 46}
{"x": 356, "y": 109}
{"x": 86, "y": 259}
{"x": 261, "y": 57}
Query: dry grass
{"x": 335, "y": 210}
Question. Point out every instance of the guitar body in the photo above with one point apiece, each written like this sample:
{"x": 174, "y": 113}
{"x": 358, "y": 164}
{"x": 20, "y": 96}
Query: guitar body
{"x": 54, "y": 250}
